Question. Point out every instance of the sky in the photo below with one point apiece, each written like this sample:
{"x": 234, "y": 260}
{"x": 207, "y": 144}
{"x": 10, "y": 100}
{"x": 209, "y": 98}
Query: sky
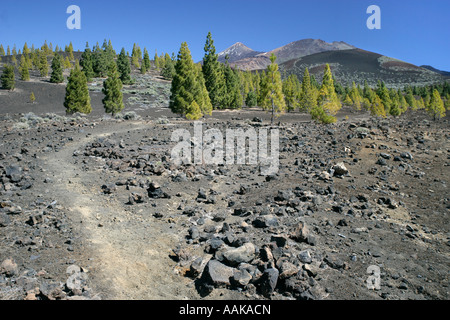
{"x": 415, "y": 31}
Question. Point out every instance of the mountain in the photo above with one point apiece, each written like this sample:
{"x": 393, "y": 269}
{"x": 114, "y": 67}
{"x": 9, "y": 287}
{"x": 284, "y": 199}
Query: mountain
{"x": 236, "y": 52}
{"x": 444, "y": 73}
{"x": 359, "y": 65}
{"x": 306, "y": 47}
{"x": 247, "y": 59}
{"x": 347, "y": 62}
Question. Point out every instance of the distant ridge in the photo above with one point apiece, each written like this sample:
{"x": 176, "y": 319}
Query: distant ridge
{"x": 444, "y": 73}
{"x": 245, "y": 58}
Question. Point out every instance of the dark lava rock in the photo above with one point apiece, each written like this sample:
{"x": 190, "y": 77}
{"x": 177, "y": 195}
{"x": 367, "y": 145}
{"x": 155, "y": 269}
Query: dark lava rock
{"x": 268, "y": 281}
{"x": 265, "y": 221}
{"x": 14, "y": 173}
{"x": 217, "y": 274}
{"x": 155, "y": 192}
{"x": 302, "y": 234}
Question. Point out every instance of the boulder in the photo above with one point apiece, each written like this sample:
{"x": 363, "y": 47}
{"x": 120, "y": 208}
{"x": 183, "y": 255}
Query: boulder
{"x": 340, "y": 169}
{"x": 217, "y": 274}
{"x": 244, "y": 253}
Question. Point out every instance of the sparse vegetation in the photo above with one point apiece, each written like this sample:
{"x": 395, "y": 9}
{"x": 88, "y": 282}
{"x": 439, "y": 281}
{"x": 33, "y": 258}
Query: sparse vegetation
{"x": 232, "y": 88}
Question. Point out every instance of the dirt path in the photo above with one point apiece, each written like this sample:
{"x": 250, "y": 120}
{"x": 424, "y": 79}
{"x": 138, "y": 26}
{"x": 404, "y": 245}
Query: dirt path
{"x": 130, "y": 254}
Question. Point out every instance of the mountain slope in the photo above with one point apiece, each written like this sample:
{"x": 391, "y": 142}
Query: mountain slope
{"x": 360, "y": 65}
{"x": 247, "y": 59}
{"x": 306, "y": 47}
{"x": 236, "y": 52}
{"x": 444, "y": 73}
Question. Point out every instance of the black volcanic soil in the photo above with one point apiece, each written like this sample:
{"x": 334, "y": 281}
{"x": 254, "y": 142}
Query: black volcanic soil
{"x": 359, "y": 65}
{"x": 93, "y": 207}
{"x": 65, "y": 200}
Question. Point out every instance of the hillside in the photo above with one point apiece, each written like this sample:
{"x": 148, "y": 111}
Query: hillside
{"x": 360, "y": 65}
{"x": 446, "y": 74}
{"x": 348, "y": 63}
{"x": 248, "y": 59}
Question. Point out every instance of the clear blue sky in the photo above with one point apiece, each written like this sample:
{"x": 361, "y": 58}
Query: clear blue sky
{"x": 416, "y": 31}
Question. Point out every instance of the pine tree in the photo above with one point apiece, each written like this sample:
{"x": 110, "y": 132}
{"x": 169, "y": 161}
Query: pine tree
{"x": 262, "y": 84}
{"x": 2, "y": 50}
{"x": 377, "y": 108}
{"x": 402, "y": 101}
{"x": 8, "y": 51}
{"x": 162, "y": 61}
{"x": 193, "y": 112}
{"x": 340, "y": 91}
{"x": 348, "y": 101}
{"x": 44, "y": 47}
{"x": 395, "y": 109}
{"x": 252, "y": 99}
{"x": 213, "y": 73}
{"x": 169, "y": 69}
{"x": 291, "y": 92}
{"x": 135, "y": 56}
{"x": 43, "y": 64}
{"x": 186, "y": 86}
{"x": 273, "y": 90}
{"x": 8, "y": 78}
{"x": 77, "y": 97}
{"x": 447, "y": 102}
{"x": 355, "y": 96}
{"x": 410, "y": 100}
{"x": 35, "y": 59}
{"x": 203, "y": 99}
{"x": 69, "y": 50}
{"x": 308, "y": 96}
{"x": 420, "y": 103}
{"x": 112, "y": 89}
{"x": 99, "y": 62}
{"x": 57, "y": 70}
{"x": 109, "y": 52}
{"x": 25, "y": 50}
{"x": 86, "y": 63}
{"x": 66, "y": 63}
{"x": 143, "y": 69}
{"x": 436, "y": 106}
{"x": 24, "y": 72}
{"x": 156, "y": 59}
{"x": 232, "y": 98}
{"x": 327, "y": 97}
{"x": 26, "y": 53}
{"x": 314, "y": 83}
{"x": 383, "y": 93}
{"x": 123, "y": 67}
{"x": 146, "y": 61}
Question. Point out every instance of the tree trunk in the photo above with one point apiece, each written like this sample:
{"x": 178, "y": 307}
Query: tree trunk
{"x": 273, "y": 111}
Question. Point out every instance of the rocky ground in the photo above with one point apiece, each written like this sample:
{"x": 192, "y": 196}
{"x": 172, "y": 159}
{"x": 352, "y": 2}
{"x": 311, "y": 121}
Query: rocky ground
{"x": 95, "y": 209}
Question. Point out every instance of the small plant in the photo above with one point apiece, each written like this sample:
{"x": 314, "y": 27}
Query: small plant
{"x": 32, "y": 98}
